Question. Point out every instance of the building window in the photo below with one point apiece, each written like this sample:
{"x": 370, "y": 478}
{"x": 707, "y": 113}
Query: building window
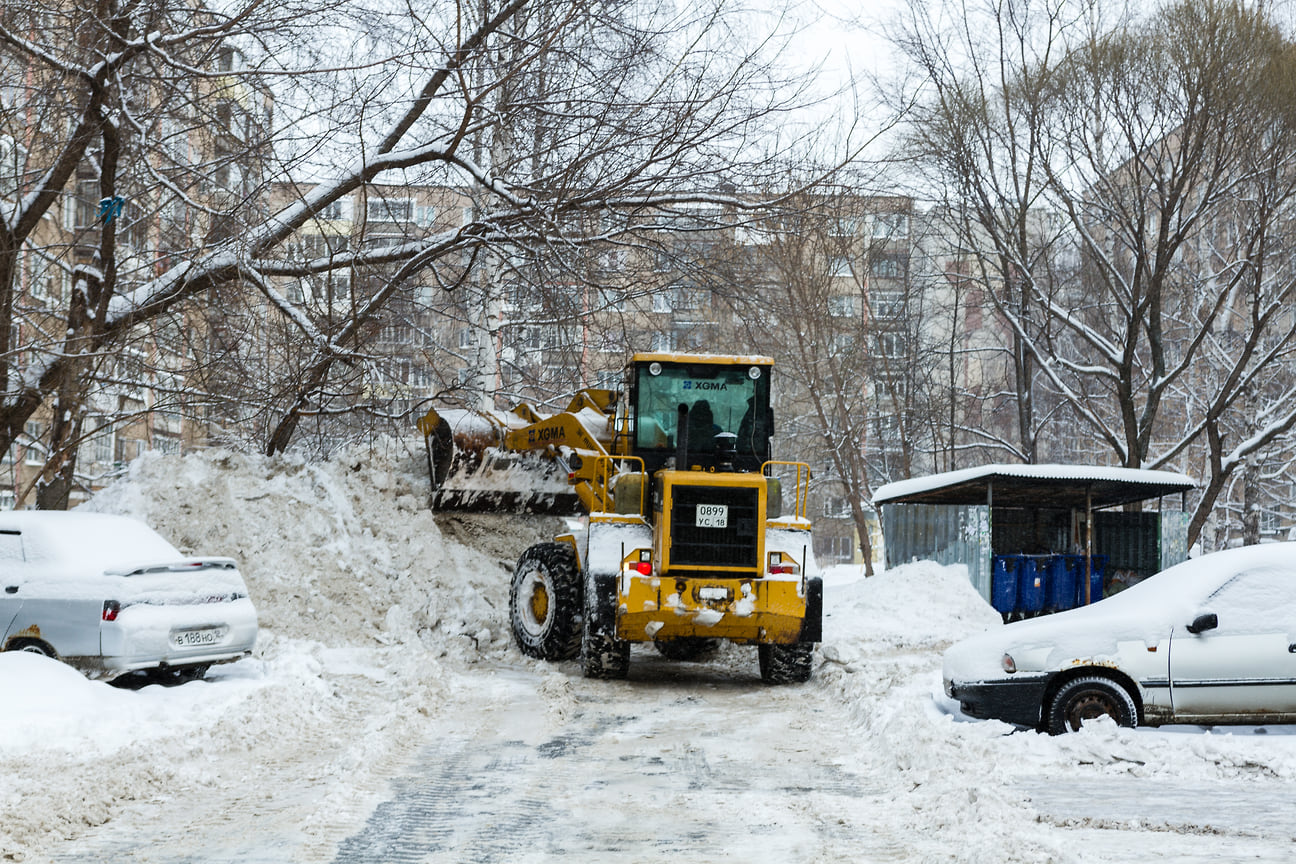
{"x": 339, "y": 209}
{"x": 887, "y": 304}
{"x": 613, "y": 299}
{"x": 35, "y": 452}
{"x": 841, "y": 306}
{"x": 662, "y": 301}
{"x": 466, "y": 337}
{"x": 892, "y": 345}
{"x": 391, "y": 210}
{"x": 892, "y": 225}
{"x": 661, "y": 343}
{"x": 339, "y": 287}
{"x": 887, "y": 268}
{"x": 688, "y": 299}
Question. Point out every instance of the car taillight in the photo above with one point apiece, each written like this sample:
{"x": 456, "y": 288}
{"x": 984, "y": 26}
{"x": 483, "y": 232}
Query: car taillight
{"x": 110, "y": 610}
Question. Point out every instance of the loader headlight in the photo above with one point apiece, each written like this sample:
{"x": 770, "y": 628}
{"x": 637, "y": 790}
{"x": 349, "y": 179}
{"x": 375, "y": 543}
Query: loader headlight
{"x": 754, "y": 372}
{"x": 654, "y": 368}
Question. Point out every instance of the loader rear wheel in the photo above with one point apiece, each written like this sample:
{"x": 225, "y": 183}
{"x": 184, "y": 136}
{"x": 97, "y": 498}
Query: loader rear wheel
{"x": 785, "y": 664}
{"x": 603, "y": 655}
{"x": 545, "y": 602}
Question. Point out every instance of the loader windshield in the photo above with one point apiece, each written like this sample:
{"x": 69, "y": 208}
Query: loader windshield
{"x": 720, "y": 398}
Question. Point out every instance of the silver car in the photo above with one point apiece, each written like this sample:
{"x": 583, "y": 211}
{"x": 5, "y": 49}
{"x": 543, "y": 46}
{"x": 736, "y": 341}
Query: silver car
{"x": 108, "y": 595}
{"x": 1212, "y": 640}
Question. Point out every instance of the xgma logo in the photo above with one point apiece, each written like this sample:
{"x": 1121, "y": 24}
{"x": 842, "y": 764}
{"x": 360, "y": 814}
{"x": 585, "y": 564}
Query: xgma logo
{"x": 705, "y": 385}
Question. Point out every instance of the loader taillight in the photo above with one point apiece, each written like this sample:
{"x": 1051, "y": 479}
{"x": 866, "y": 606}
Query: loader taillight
{"x": 779, "y": 565}
{"x": 110, "y": 610}
{"x": 644, "y": 567}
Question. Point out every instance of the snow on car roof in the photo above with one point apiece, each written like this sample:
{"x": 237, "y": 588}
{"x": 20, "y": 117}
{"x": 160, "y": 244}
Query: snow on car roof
{"x": 1034, "y": 485}
{"x": 92, "y": 540}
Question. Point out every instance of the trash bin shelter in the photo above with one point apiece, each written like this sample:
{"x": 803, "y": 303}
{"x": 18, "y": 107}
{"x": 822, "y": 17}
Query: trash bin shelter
{"x": 1039, "y": 538}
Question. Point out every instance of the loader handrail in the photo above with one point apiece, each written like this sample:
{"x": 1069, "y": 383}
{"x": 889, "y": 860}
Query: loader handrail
{"x": 601, "y": 500}
{"x": 801, "y": 487}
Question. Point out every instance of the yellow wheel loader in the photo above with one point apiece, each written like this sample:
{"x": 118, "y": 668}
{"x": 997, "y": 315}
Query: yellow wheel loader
{"x": 687, "y": 536}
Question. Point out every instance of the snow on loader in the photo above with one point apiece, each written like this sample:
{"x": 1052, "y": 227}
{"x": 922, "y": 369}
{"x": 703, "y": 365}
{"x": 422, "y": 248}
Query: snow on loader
{"x": 685, "y": 539}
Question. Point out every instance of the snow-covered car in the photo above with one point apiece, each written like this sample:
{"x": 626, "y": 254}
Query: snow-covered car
{"x": 1208, "y": 641}
{"x": 108, "y": 595}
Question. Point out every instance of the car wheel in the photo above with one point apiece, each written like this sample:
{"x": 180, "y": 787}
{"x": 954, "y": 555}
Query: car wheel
{"x": 545, "y": 602}
{"x": 1087, "y": 699}
{"x": 685, "y": 648}
{"x": 32, "y": 646}
{"x": 785, "y": 664}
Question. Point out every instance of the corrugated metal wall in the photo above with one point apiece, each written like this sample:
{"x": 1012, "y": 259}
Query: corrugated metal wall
{"x": 945, "y": 534}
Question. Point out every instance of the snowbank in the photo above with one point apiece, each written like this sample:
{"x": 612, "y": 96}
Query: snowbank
{"x": 882, "y": 649}
{"x": 362, "y": 600}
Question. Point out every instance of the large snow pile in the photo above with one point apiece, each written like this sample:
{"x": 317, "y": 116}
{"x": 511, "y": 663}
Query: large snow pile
{"x": 363, "y": 600}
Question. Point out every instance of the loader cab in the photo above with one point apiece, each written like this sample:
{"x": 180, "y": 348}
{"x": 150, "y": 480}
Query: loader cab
{"x": 705, "y": 397}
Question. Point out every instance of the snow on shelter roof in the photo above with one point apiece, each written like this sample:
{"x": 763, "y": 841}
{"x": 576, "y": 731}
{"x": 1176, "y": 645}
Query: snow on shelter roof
{"x": 1036, "y": 485}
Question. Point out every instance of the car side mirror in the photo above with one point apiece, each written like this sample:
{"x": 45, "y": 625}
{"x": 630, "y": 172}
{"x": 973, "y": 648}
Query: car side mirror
{"x": 1204, "y": 622}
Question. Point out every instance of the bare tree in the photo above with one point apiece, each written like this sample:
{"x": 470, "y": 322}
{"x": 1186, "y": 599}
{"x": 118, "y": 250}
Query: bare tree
{"x": 547, "y": 116}
{"x": 1148, "y": 178}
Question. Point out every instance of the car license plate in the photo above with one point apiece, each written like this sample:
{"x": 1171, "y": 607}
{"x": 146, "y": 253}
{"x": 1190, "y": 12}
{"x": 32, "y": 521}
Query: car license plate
{"x": 197, "y": 638}
{"x": 712, "y": 516}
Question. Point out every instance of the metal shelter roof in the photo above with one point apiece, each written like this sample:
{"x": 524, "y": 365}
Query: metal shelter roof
{"x": 1060, "y": 486}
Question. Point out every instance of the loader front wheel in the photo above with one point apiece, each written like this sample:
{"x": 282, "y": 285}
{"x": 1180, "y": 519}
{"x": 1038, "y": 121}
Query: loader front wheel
{"x": 785, "y": 664}
{"x": 545, "y": 602}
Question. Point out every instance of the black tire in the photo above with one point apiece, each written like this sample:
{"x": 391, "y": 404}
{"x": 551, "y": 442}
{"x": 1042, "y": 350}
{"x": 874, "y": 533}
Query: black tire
{"x": 1089, "y": 698}
{"x": 686, "y": 648}
{"x": 785, "y": 664}
{"x": 32, "y": 646}
{"x": 545, "y": 602}
{"x": 603, "y": 655}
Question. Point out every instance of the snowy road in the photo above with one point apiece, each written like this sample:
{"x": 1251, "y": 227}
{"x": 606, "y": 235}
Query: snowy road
{"x": 544, "y": 765}
{"x": 527, "y": 762}
{"x": 686, "y": 757}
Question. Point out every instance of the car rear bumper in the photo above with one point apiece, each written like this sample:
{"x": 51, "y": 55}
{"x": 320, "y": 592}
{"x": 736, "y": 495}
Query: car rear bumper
{"x": 1018, "y": 700}
{"x": 150, "y": 636}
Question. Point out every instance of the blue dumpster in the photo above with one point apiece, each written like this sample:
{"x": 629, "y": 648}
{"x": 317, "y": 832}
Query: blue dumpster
{"x": 1060, "y": 583}
{"x": 1097, "y": 569}
{"x": 1030, "y": 587}
{"x": 1096, "y": 578}
{"x": 1003, "y": 584}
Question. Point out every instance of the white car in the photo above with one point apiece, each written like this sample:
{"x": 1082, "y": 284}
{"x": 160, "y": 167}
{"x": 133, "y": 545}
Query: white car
{"x": 1209, "y": 641}
{"x": 109, "y": 596}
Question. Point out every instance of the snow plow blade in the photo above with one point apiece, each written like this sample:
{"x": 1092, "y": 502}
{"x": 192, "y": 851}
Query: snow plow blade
{"x": 512, "y": 462}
